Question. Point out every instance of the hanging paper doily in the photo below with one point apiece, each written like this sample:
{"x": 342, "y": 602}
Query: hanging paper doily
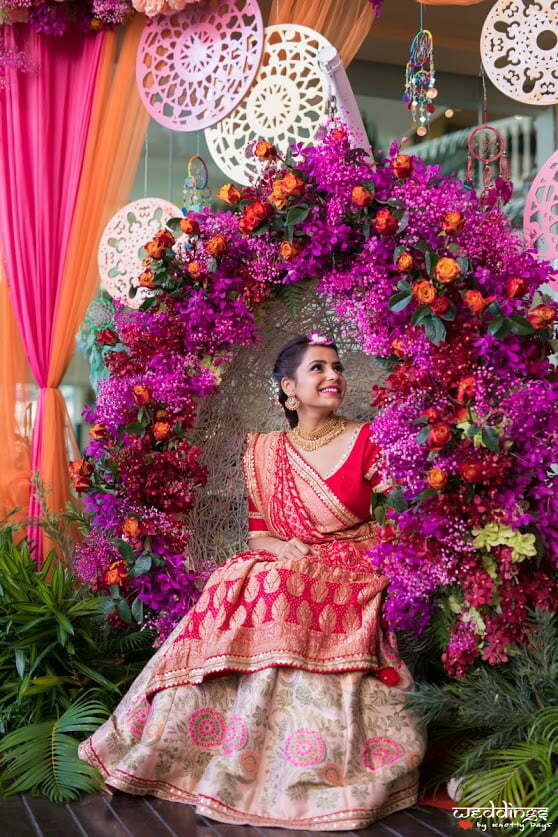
{"x": 519, "y": 50}
{"x": 540, "y": 216}
{"x": 286, "y": 104}
{"x": 194, "y": 66}
{"x": 122, "y": 245}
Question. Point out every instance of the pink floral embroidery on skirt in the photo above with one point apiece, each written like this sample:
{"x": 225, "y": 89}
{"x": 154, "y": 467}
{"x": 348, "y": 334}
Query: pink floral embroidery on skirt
{"x": 236, "y": 735}
{"x": 379, "y": 752}
{"x": 207, "y": 727}
{"x": 304, "y": 748}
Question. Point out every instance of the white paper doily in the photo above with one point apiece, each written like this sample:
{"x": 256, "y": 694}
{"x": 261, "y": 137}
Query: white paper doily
{"x": 519, "y": 50}
{"x": 194, "y": 66}
{"x": 121, "y": 247}
{"x": 540, "y": 216}
{"x": 286, "y": 103}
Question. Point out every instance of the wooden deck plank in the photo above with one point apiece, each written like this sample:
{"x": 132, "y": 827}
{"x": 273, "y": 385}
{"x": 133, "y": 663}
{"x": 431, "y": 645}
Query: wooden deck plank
{"x": 96, "y": 818}
{"x": 181, "y": 817}
{"x": 138, "y": 817}
{"x": 14, "y": 819}
{"x": 53, "y": 820}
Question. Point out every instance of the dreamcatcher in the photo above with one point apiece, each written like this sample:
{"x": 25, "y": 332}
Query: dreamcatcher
{"x": 420, "y": 90}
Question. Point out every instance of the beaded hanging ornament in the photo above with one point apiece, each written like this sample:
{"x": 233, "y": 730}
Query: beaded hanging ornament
{"x": 487, "y": 146}
{"x": 196, "y": 192}
{"x": 420, "y": 80}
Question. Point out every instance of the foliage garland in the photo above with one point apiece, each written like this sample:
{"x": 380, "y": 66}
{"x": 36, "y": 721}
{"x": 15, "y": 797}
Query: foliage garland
{"x": 442, "y": 293}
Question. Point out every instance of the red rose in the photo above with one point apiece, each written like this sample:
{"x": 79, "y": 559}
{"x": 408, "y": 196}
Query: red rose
{"x": 397, "y": 347}
{"x": 388, "y": 675}
{"x": 431, "y": 414}
{"x": 541, "y": 317}
{"x": 465, "y": 389}
{"x": 439, "y": 436}
{"x": 452, "y": 223}
{"x": 470, "y": 470}
{"x": 141, "y": 394}
{"x": 164, "y": 237}
{"x": 107, "y": 337}
{"x": 361, "y": 196}
{"x": 161, "y": 430}
{"x": 189, "y": 226}
{"x": 440, "y": 305}
{"x": 476, "y": 302}
{"x": 81, "y": 468}
{"x": 385, "y": 223}
{"x": 253, "y": 215}
{"x": 516, "y": 287}
{"x": 386, "y": 533}
{"x": 402, "y": 166}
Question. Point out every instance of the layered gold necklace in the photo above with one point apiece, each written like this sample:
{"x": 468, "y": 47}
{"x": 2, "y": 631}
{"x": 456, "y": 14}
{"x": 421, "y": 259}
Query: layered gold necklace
{"x": 333, "y": 427}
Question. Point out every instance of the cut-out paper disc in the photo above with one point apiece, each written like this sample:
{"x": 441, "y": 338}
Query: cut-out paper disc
{"x": 540, "y": 216}
{"x": 286, "y": 104}
{"x": 519, "y": 50}
{"x": 121, "y": 249}
{"x": 194, "y": 66}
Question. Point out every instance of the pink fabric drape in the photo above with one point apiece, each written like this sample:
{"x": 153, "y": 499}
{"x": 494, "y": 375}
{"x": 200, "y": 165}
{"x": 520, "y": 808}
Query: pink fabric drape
{"x": 44, "y": 121}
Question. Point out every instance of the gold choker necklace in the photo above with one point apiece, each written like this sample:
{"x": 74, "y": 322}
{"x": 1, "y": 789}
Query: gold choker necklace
{"x": 330, "y": 429}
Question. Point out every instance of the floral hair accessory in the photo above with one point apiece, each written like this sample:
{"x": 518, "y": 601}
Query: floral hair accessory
{"x": 317, "y": 339}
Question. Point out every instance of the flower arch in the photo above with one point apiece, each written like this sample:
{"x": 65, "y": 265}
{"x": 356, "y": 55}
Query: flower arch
{"x": 442, "y": 293}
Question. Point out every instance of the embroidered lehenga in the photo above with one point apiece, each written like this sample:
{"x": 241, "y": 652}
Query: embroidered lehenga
{"x": 262, "y": 707}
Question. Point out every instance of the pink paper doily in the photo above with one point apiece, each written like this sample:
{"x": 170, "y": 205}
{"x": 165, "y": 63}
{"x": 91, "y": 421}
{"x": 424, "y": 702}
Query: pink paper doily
{"x": 193, "y": 67}
{"x": 121, "y": 249}
{"x": 540, "y": 216}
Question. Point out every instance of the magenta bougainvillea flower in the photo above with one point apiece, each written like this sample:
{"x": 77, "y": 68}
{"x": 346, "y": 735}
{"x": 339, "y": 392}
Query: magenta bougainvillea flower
{"x": 446, "y": 297}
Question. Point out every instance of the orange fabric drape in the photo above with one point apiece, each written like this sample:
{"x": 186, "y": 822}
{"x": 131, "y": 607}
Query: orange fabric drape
{"x": 16, "y": 396}
{"x": 118, "y": 126}
{"x": 345, "y": 23}
{"x": 449, "y": 2}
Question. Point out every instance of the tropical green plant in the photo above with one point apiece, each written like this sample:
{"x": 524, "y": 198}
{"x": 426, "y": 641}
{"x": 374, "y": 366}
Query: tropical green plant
{"x": 42, "y": 758}
{"x": 497, "y": 729}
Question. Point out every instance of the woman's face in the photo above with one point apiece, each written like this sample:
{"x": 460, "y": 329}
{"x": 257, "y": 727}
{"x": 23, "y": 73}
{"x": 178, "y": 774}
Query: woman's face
{"x": 319, "y": 380}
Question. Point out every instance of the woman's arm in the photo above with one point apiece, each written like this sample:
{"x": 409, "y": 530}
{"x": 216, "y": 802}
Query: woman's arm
{"x": 265, "y": 542}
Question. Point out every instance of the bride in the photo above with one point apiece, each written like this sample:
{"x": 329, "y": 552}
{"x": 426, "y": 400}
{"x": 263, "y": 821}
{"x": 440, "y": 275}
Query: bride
{"x": 278, "y": 699}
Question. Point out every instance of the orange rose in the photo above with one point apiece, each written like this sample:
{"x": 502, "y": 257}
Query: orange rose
{"x": 277, "y": 197}
{"x": 141, "y": 394}
{"x": 452, "y": 223}
{"x": 470, "y": 470}
{"x": 338, "y": 134}
{"x": 164, "y": 237}
{"x": 405, "y": 262}
{"x": 216, "y": 246}
{"x": 293, "y": 185}
{"x": 437, "y": 478}
{"x": 80, "y": 468}
{"x": 466, "y": 389}
{"x": 189, "y": 226}
{"x": 155, "y": 250}
{"x": 385, "y": 223}
{"x": 439, "y": 436}
{"x": 161, "y": 430}
{"x": 424, "y": 292}
{"x": 230, "y": 194}
{"x": 288, "y": 251}
{"x": 265, "y": 150}
{"x": 253, "y": 215}
{"x": 146, "y": 279}
{"x": 161, "y": 414}
{"x": 440, "y": 305}
{"x": 397, "y": 347}
{"x": 131, "y": 527}
{"x": 116, "y": 573}
{"x": 194, "y": 269}
{"x": 80, "y": 484}
{"x": 460, "y": 413}
{"x": 431, "y": 414}
{"x": 541, "y": 317}
{"x": 475, "y": 301}
{"x": 447, "y": 270}
{"x": 516, "y": 287}
{"x": 98, "y": 432}
{"x": 402, "y": 166}
{"x": 361, "y": 196}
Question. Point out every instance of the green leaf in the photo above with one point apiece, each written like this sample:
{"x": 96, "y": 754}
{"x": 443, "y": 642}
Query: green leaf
{"x": 395, "y": 500}
{"x": 20, "y": 661}
{"x": 490, "y": 438}
{"x": 498, "y": 327}
{"x": 137, "y": 609}
{"x": 174, "y": 225}
{"x": 404, "y": 285}
{"x": 297, "y": 214}
{"x": 435, "y": 329}
{"x": 123, "y": 610}
{"x": 519, "y": 325}
{"x": 135, "y": 428}
{"x": 142, "y": 564}
{"x": 399, "y": 301}
{"x": 464, "y": 265}
{"x": 423, "y": 435}
{"x": 125, "y": 550}
{"x": 420, "y": 314}
{"x": 494, "y": 309}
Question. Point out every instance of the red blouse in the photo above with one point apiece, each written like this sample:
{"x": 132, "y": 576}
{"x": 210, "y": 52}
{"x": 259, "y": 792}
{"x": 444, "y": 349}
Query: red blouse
{"x": 352, "y": 481}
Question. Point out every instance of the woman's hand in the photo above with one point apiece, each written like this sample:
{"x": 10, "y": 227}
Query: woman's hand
{"x": 294, "y": 548}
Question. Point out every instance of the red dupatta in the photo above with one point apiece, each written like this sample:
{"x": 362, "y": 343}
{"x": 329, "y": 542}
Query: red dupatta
{"x": 320, "y": 612}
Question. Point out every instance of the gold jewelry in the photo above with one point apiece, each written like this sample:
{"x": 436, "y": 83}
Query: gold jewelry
{"x": 332, "y": 428}
{"x": 292, "y": 403}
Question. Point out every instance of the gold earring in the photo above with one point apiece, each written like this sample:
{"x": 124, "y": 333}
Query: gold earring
{"x": 292, "y": 403}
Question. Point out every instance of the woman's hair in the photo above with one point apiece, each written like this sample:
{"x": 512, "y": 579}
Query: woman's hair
{"x": 288, "y": 360}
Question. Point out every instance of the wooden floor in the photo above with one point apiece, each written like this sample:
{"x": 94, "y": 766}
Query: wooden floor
{"x": 129, "y": 816}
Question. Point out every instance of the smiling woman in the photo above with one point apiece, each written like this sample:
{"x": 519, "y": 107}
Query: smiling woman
{"x": 283, "y": 677}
